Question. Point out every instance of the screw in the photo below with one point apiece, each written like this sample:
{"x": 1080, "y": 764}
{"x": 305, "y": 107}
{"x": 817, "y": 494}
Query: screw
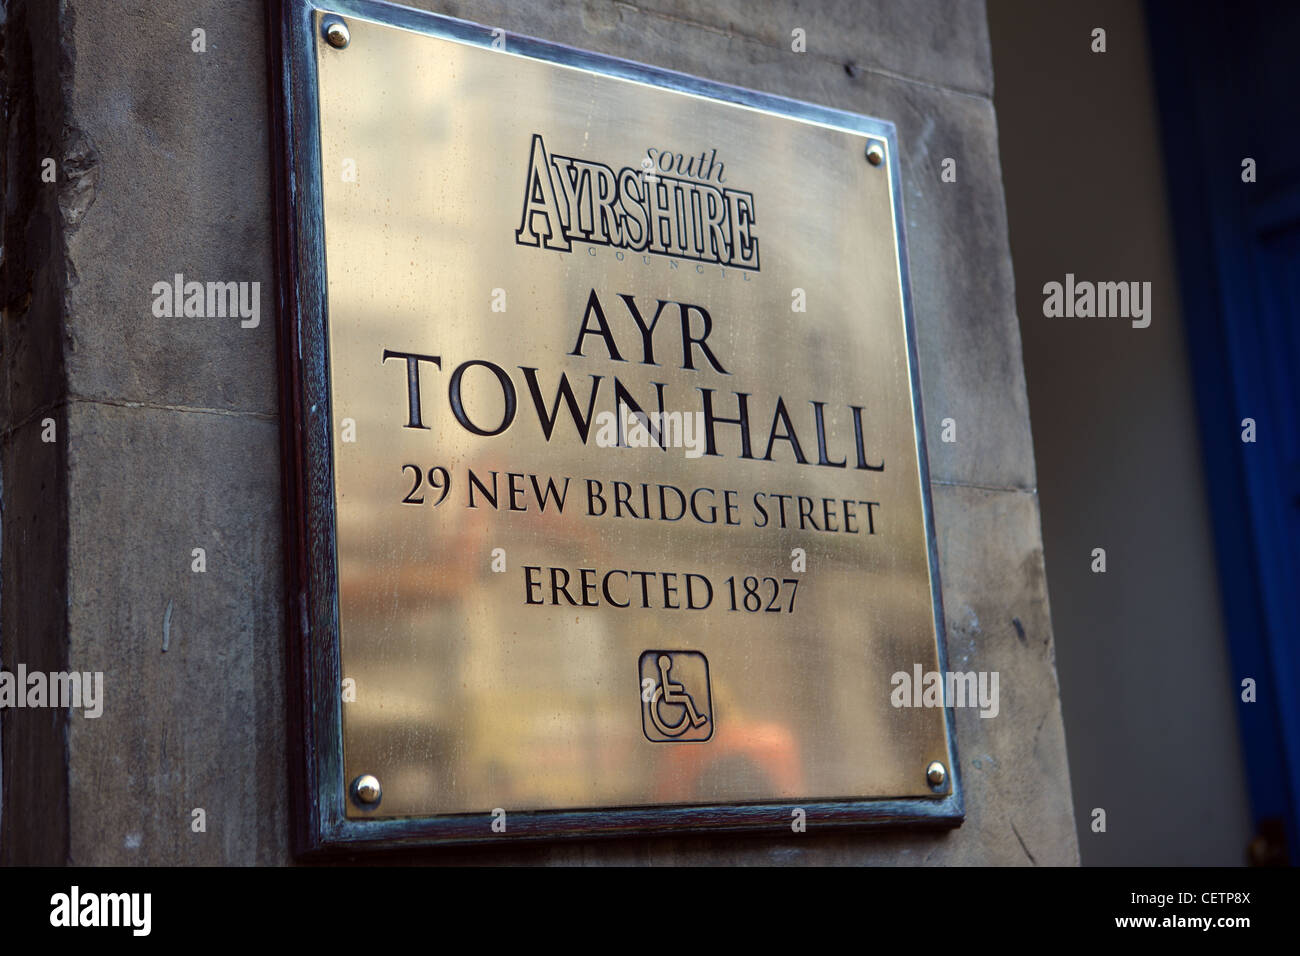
{"x": 875, "y": 156}
{"x": 336, "y": 35}
{"x": 366, "y": 790}
{"x": 936, "y": 773}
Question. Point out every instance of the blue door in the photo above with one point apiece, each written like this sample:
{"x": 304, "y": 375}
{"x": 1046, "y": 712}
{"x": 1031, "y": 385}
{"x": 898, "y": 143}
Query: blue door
{"x": 1228, "y": 80}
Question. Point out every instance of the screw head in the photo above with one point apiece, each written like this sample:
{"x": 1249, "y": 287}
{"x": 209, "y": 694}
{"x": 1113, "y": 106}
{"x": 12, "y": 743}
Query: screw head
{"x": 366, "y": 790}
{"x": 875, "y": 154}
{"x": 336, "y": 35}
{"x": 936, "y": 773}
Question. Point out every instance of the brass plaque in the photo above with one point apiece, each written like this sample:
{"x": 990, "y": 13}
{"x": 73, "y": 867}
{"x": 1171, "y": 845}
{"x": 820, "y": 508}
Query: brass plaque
{"x": 630, "y": 506}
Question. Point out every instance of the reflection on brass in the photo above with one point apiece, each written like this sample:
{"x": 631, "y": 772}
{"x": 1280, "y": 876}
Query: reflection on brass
{"x": 936, "y": 773}
{"x": 629, "y": 506}
{"x": 366, "y": 790}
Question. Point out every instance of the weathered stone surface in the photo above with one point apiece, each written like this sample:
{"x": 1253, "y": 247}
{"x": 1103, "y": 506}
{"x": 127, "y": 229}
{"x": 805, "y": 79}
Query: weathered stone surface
{"x": 201, "y": 723}
{"x": 995, "y": 599}
{"x": 182, "y": 185}
{"x": 940, "y": 42}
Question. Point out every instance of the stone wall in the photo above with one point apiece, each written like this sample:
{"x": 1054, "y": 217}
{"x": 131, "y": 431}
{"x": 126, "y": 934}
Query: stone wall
{"x": 169, "y": 427}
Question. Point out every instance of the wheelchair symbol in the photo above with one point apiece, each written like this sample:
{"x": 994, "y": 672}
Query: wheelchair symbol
{"x": 671, "y": 707}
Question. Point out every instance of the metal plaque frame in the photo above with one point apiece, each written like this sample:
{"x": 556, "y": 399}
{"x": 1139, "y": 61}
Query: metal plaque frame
{"x": 318, "y": 789}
